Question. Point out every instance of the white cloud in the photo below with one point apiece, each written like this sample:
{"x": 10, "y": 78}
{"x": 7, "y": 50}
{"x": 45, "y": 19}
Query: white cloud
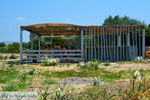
{"x": 20, "y": 19}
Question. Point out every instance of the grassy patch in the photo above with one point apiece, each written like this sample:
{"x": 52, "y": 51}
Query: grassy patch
{"x": 50, "y": 81}
{"x": 7, "y": 75}
{"x": 14, "y": 86}
{"x": 116, "y": 66}
{"x": 19, "y": 83}
{"x": 14, "y": 81}
{"x": 101, "y": 73}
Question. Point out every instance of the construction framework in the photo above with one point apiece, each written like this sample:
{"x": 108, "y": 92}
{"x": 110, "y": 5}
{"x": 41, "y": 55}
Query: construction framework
{"x": 114, "y": 43}
{"x": 104, "y": 43}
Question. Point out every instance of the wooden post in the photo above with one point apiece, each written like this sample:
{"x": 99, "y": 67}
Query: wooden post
{"x": 21, "y": 52}
{"x": 143, "y": 43}
{"x": 82, "y": 42}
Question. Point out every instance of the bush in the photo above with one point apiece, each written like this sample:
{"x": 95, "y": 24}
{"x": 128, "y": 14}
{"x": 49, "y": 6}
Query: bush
{"x": 50, "y": 62}
{"x": 13, "y": 57}
{"x": 97, "y": 81}
{"x": 91, "y": 64}
{"x": 106, "y": 64}
{"x": 63, "y": 93}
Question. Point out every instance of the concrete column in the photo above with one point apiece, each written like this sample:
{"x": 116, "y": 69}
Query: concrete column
{"x": 128, "y": 39}
{"x": 143, "y": 43}
{"x": 39, "y": 44}
{"x": 21, "y": 51}
{"x": 119, "y": 40}
{"x": 82, "y": 47}
{"x": 32, "y": 36}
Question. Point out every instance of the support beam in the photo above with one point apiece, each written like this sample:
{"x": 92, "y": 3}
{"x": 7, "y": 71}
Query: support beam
{"x": 31, "y": 39}
{"x": 128, "y": 39}
{"x": 21, "y": 51}
{"x": 39, "y": 44}
{"x": 119, "y": 40}
{"x": 143, "y": 43}
{"x": 82, "y": 42}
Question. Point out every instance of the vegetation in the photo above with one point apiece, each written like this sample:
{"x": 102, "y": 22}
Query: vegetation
{"x": 123, "y": 84}
{"x": 12, "y": 48}
{"x": 91, "y": 64}
{"x": 117, "y": 20}
{"x": 106, "y": 64}
{"x": 13, "y": 80}
{"x": 13, "y": 57}
{"x": 100, "y": 73}
{"x": 50, "y": 62}
{"x": 3, "y": 57}
{"x": 97, "y": 81}
{"x": 50, "y": 81}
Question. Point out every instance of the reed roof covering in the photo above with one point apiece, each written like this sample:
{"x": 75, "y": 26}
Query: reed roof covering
{"x": 71, "y": 29}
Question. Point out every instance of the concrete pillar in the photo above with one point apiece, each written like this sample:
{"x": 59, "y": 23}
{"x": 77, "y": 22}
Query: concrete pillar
{"x": 119, "y": 40}
{"x": 143, "y": 43}
{"x": 32, "y": 36}
{"x": 21, "y": 49}
{"x": 82, "y": 47}
{"x": 39, "y": 44}
{"x": 128, "y": 39}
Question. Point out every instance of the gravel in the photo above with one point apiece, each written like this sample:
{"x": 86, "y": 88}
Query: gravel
{"x": 76, "y": 80}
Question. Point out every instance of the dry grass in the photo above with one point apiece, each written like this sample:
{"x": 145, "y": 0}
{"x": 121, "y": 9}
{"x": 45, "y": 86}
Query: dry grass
{"x": 38, "y": 79}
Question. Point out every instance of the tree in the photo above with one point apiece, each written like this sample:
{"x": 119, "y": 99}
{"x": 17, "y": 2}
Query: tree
{"x": 14, "y": 47}
{"x": 117, "y": 20}
{"x": 2, "y": 44}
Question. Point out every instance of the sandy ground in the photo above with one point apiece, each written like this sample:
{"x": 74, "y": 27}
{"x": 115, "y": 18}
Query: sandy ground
{"x": 127, "y": 66}
{"x": 112, "y": 67}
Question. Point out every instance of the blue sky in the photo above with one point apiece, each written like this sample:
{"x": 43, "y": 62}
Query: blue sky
{"x": 82, "y": 12}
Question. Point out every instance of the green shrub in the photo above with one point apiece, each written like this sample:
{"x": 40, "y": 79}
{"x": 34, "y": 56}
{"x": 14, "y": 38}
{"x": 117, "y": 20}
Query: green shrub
{"x": 13, "y": 57}
{"x": 63, "y": 93}
{"x": 50, "y": 62}
{"x": 106, "y": 64}
{"x": 97, "y": 81}
{"x": 31, "y": 72}
{"x": 91, "y": 64}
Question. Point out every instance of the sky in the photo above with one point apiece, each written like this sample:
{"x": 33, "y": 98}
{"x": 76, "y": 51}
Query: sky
{"x": 15, "y": 13}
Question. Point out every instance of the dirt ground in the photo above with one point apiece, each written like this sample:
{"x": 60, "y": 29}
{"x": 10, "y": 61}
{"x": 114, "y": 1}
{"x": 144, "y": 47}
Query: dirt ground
{"x": 115, "y": 67}
{"x": 128, "y": 66}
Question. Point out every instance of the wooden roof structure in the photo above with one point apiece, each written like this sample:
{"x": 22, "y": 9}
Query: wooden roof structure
{"x": 71, "y": 29}
{"x": 53, "y": 28}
